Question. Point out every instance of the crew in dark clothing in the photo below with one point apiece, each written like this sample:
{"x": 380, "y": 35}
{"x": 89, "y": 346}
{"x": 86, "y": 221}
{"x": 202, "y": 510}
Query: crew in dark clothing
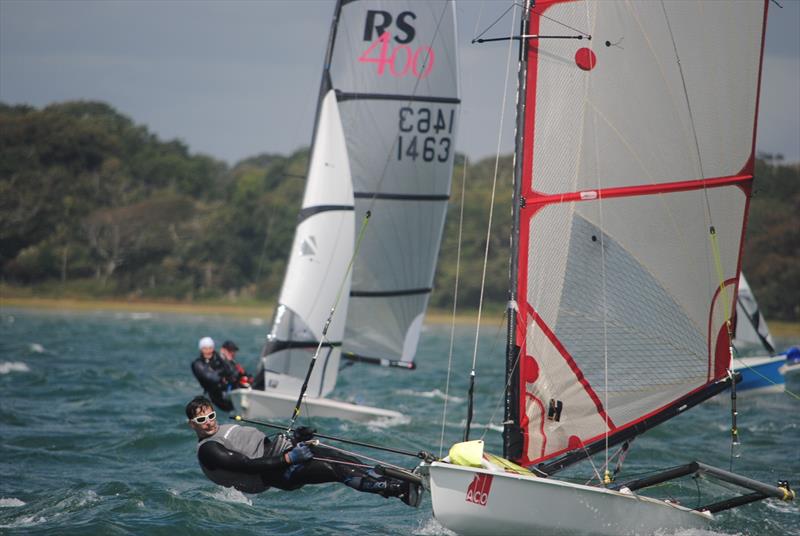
{"x": 237, "y": 376}
{"x": 212, "y": 373}
{"x": 244, "y": 458}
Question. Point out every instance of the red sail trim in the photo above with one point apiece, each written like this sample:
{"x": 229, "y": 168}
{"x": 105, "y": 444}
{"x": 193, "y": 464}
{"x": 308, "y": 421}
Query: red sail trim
{"x": 719, "y": 356}
{"x": 618, "y": 429}
{"x": 524, "y": 419}
{"x": 572, "y": 365}
{"x": 541, "y": 425}
{"x": 750, "y": 166}
{"x": 538, "y": 198}
{"x": 524, "y": 233}
{"x": 526, "y": 179}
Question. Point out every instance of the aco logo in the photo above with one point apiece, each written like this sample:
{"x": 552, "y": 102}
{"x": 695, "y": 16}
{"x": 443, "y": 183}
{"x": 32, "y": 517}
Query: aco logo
{"x": 389, "y": 51}
{"x": 479, "y": 488}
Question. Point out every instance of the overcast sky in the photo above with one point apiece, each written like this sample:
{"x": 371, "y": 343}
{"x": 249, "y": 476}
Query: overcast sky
{"x": 236, "y": 78}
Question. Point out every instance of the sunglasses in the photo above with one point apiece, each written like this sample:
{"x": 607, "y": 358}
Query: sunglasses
{"x": 202, "y": 418}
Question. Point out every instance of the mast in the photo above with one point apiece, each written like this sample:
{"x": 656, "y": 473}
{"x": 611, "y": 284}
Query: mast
{"x": 512, "y": 433}
{"x": 325, "y": 83}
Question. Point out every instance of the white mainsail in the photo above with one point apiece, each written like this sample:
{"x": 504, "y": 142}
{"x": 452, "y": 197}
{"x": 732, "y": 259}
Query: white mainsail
{"x": 384, "y": 144}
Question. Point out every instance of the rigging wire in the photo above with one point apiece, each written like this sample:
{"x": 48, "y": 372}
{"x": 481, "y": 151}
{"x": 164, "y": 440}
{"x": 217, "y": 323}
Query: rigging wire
{"x": 735, "y": 442}
{"x": 458, "y": 274}
{"x": 512, "y": 6}
{"x": 507, "y": 385}
{"x": 324, "y": 337}
{"x": 455, "y": 304}
{"x": 603, "y": 275}
{"x": 755, "y": 371}
{"x": 488, "y": 238}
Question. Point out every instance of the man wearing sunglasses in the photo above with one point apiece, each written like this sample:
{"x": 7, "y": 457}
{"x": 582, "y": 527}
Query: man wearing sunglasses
{"x": 243, "y": 457}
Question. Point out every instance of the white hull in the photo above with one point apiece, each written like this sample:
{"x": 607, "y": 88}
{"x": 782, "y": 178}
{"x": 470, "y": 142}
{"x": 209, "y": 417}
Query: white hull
{"x": 526, "y": 505}
{"x": 272, "y": 405}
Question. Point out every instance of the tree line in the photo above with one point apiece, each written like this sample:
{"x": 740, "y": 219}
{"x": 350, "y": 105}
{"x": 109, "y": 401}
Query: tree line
{"x": 92, "y": 204}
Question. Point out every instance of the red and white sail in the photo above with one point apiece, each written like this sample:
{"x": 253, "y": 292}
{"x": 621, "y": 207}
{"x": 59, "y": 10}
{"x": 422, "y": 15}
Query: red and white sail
{"x": 636, "y": 142}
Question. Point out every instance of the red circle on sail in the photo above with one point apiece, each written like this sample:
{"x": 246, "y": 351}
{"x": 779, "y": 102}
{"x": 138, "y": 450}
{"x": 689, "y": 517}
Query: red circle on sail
{"x": 573, "y": 442}
{"x": 585, "y": 59}
{"x": 531, "y": 370}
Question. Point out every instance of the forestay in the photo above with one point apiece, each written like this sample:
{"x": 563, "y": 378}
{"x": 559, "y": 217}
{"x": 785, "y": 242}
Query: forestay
{"x": 636, "y": 142}
{"x": 384, "y": 143}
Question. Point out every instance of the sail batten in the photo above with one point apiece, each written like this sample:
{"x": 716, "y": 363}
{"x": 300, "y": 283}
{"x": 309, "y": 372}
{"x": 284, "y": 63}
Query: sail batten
{"x": 632, "y": 151}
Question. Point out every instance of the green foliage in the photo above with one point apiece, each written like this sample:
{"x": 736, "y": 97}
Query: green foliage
{"x": 772, "y": 242}
{"x": 93, "y": 204}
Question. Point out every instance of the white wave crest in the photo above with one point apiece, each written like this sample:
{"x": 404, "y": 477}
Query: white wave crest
{"x": 431, "y": 527}
{"x": 783, "y": 507}
{"x": 256, "y": 321}
{"x": 13, "y": 366}
{"x": 435, "y": 393}
{"x": 388, "y": 422}
{"x": 36, "y": 348}
{"x": 693, "y": 532}
{"x": 477, "y": 426}
{"x": 10, "y": 503}
{"x": 232, "y": 495}
{"x": 78, "y": 500}
{"x": 24, "y": 522}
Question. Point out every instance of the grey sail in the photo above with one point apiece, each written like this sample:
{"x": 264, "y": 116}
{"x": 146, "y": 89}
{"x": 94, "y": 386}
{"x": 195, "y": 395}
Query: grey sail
{"x": 384, "y": 142}
{"x": 395, "y": 73}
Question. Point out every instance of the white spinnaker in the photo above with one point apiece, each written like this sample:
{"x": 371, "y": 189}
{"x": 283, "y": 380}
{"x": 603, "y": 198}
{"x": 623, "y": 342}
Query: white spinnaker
{"x": 751, "y": 327}
{"x": 628, "y": 281}
{"x": 395, "y": 72}
{"x": 321, "y": 251}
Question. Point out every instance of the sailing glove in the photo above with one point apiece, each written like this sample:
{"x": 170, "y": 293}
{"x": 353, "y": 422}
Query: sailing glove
{"x": 299, "y": 454}
{"x": 303, "y": 433}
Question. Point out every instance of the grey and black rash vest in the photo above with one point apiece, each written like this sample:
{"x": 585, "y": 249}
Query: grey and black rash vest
{"x": 234, "y": 456}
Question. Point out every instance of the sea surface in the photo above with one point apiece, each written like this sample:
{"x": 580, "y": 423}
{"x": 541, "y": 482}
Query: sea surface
{"x": 94, "y": 439}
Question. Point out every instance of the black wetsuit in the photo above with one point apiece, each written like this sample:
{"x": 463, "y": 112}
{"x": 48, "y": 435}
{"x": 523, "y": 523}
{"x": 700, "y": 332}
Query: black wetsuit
{"x": 211, "y": 374}
{"x": 244, "y": 458}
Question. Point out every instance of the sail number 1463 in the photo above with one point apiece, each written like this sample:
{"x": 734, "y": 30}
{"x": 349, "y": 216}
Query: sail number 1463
{"x": 424, "y": 134}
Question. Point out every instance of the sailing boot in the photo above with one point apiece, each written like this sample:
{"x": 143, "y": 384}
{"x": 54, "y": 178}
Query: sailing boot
{"x": 411, "y": 494}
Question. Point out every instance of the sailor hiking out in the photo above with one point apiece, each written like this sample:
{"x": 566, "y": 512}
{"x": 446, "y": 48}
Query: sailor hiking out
{"x": 242, "y": 457}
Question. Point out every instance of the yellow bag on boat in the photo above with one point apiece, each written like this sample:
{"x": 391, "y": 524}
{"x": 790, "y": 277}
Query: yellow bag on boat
{"x": 467, "y": 453}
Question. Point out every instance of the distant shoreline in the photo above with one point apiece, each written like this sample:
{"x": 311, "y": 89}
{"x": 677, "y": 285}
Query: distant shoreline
{"x": 263, "y": 310}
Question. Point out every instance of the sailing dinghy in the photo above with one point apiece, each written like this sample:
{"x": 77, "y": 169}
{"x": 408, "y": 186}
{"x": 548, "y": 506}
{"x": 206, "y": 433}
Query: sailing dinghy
{"x": 633, "y": 172}
{"x": 760, "y": 373}
{"x": 384, "y": 145}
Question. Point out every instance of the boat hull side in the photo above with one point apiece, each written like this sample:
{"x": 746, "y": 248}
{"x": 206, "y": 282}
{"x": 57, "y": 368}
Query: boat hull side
{"x": 528, "y": 505}
{"x": 760, "y": 374}
{"x": 272, "y": 405}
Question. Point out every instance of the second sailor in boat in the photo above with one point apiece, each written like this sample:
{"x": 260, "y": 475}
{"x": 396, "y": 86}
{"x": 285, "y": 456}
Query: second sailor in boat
{"x": 242, "y": 457}
{"x": 237, "y": 375}
{"x": 212, "y": 373}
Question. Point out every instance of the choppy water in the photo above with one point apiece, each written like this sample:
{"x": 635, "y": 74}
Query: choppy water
{"x": 94, "y": 441}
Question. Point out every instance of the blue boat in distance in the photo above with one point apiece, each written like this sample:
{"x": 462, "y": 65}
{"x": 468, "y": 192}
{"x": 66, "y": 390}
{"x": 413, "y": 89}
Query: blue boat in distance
{"x": 761, "y": 368}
